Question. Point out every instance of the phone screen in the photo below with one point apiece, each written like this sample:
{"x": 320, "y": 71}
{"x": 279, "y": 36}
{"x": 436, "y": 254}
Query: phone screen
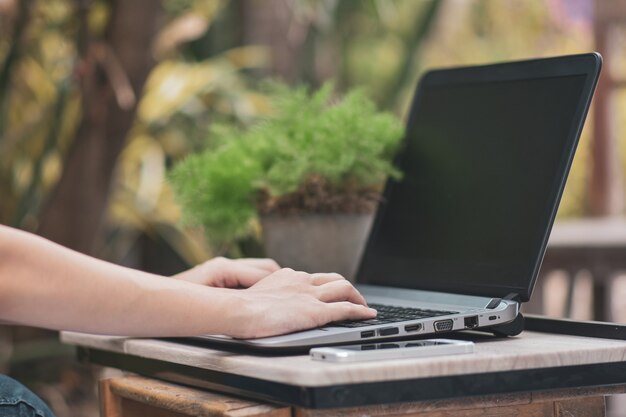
{"x": 392, "y": 350}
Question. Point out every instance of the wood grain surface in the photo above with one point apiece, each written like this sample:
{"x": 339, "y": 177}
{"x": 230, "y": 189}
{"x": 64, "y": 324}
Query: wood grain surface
{"x": 132, "y": 396}
{"x": 527, "y": 351}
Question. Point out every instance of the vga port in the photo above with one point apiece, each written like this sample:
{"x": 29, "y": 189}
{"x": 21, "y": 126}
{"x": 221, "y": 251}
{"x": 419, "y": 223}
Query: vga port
{"x": 443, "y": 325}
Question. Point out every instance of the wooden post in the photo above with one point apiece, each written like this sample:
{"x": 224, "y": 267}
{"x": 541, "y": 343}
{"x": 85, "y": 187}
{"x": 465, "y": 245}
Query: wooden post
{"x": 606, "y": 195}
{"x": 112, "y": 73}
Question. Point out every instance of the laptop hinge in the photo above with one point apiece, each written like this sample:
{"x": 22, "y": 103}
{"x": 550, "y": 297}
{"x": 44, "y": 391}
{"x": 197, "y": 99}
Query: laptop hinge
{"x": 495, "y": 302}
{"x": 513, "y": 297}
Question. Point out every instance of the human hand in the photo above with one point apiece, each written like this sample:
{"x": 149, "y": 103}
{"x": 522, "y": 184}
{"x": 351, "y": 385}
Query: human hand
{"x": 288, "y": 301}
{"x": 229, "y": 273}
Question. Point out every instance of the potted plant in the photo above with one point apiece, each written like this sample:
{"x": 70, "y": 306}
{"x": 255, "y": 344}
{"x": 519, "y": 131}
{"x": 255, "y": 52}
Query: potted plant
{"x": 311, "y": 171}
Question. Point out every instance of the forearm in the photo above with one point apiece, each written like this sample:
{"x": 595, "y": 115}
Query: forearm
{"x": 43, "y": 284}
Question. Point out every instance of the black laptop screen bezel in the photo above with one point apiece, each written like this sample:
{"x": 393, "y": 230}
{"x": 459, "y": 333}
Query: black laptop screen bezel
{"x": 573, "y": 65}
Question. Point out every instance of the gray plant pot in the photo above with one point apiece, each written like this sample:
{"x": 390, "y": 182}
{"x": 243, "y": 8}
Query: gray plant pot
{"x": 316, "y": 242}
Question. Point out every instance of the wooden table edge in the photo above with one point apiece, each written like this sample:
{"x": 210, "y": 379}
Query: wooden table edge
{"x": 608, "y": 376}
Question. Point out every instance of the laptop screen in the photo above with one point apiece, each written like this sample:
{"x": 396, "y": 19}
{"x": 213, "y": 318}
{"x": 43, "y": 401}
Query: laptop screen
{"x": 483, "y": 168}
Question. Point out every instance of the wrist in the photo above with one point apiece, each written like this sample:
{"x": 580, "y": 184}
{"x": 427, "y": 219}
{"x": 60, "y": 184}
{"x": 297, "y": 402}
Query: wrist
{"x": 232, "y": 312}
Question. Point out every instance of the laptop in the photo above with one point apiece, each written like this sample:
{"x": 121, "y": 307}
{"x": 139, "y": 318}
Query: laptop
{"x": 458, "y": 240}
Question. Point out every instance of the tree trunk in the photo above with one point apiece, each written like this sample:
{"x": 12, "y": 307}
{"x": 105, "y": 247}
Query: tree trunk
{"x": 291, "y": 41}
{"x": 114, "y": 72}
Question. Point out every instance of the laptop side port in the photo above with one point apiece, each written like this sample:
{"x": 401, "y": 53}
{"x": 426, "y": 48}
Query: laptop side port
{"x": 388, "y": 331}
{"x": 413, "y": 327}
{"x": 443, "y": 325}
{"x": 471, "y": 322}
{"x": 367, "y": 333}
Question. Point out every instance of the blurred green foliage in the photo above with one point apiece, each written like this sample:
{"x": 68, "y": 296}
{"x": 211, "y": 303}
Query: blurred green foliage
{"x": 39, "y": 107}
{"x": 344, "y": 142}
{"x": 208, "y": 71}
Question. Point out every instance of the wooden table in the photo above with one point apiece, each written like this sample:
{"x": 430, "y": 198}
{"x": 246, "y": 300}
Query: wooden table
{"x": 534, "y": 374}
{"x": 134, "y": 396}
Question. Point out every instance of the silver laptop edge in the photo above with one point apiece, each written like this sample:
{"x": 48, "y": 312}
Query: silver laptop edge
{"x": 472, "y": 312}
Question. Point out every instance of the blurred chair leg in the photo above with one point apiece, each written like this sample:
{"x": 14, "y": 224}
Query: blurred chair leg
{"x": 110, "y": 404}
{"x": 601, "y": 296}
{"x": 569, "y": 297}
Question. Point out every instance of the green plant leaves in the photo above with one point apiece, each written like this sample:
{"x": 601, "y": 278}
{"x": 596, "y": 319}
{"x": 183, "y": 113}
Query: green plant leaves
{"x": 345, "y": 142}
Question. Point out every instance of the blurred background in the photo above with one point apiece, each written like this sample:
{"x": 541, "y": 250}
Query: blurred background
{"x": 99, "y": 98}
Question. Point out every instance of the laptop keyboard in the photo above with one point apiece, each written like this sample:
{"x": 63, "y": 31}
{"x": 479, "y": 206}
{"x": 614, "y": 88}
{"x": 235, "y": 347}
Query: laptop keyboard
{"x": 393, "y": 314}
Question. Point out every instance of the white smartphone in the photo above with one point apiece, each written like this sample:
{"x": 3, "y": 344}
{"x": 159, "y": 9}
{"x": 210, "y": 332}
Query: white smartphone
{"x": 392, "y": 350}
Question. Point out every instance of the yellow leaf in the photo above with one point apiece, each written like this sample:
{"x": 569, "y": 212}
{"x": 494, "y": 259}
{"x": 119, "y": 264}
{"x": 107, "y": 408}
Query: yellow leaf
{"x": 183, "y": 29}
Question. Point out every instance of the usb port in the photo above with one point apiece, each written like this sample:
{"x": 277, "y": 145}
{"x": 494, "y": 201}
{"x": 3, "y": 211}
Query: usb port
{"x": 412, "y": 327}
{"x": 367, "y": 333}
{"x": 388, "y": 331}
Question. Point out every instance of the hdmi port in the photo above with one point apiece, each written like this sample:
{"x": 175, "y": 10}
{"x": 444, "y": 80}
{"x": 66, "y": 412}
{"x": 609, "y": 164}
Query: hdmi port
{"x": 412, "y": 327}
